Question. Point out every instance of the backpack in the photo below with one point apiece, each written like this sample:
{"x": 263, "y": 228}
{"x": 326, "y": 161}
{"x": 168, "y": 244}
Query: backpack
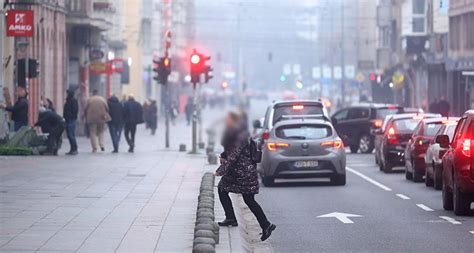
{"x": 255, "y": 151}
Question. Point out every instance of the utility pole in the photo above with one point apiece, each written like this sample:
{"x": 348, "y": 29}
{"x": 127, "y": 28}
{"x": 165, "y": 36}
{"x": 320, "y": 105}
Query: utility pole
{"x": 3, "y": 122}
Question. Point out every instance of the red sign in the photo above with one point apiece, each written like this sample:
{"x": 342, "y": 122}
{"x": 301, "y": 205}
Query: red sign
{"x": 20, "y": 23}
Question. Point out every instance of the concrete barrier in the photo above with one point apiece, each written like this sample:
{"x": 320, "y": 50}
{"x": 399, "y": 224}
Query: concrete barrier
{"x": 206, "y": 230}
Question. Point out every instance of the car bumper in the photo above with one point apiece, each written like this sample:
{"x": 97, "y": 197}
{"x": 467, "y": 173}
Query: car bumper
{"x": 279, "y": 166}
{"x": 395, "y": 156}
{"x": 464, "y": 180}
{"x": 419, "y": 162}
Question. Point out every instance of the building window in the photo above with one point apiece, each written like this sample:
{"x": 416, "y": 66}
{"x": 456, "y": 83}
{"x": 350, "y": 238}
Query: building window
{"x": 418, "y": 25}
{"x": 418, "y": 6}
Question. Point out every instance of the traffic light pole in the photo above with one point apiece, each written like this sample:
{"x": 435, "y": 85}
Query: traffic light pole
{"x": 167, "y": 116}
{"x": 194, "y": 123}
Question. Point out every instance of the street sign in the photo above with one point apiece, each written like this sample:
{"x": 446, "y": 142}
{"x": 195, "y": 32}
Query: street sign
{"x": 20, "y": 23}
{"x": 342, "y": 217}
{"x": 98, "y": 68}
{"x": 360, "y": 77}
{"x": 316, "y": 72}
{"x": 327, "y": 73}
{"x": 349, "y": 72}
{"x": 337, "y": 72}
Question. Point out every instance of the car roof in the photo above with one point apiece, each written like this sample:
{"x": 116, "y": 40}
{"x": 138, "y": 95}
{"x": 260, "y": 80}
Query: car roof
{"x": 301, "y": 121}
{"x": 302, "y": 101}
{"x": 410, "y": 115}
{"x": 374, "y": 105}
{"x": 438, "y": 119}
{"x": 469, "y": 113}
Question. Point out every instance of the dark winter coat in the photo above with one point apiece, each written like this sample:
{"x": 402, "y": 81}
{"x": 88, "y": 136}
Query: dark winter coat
{"x": 152, "y": 118}
{"x": 49, "y": 121}
{"x": 71, "y": 108}
{"x": 133, "y": 112}
{"x": 239, "y": 172}
{"x": 116, "y": 111}
{"x": 19, "y": 110}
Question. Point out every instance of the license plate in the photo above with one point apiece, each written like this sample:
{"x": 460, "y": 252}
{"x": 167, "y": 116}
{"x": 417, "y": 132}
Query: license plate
{"x": 306, "y": 164}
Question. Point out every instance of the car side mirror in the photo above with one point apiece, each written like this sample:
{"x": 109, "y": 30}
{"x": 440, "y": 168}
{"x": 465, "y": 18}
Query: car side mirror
{"x": 257, "y": 124}
{"x": 443, "y": 141}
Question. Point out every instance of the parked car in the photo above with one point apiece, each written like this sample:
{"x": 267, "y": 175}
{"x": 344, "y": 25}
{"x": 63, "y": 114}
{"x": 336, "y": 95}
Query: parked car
{"x": 417, "y": 146}
{"x": 303, "y": 147}
{"x": 278, "y": 110}
{"x": 435, "y": 153}
{"x": 354, "y": 124}
{"x": 391, "y": 139}
{"x": 458, "y": 166}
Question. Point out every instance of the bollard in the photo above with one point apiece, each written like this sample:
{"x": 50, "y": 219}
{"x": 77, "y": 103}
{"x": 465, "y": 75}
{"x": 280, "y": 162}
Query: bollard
{"x": 201, "y": 145}
{"x": 204, "y": 240}
{"x": 212, "y": 158}
{"x": 204, "y": 248}
{"x": 182, "y": 147}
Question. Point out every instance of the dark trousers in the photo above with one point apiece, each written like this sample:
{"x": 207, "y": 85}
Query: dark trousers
{"x": 249, "y": 200}
{"x": 130, "y": 130}
{"x": 17, "y": 125}
{"x": 71, "y": 134}
{"x": 115, "y": 133}
{"x": 55, "y": 136}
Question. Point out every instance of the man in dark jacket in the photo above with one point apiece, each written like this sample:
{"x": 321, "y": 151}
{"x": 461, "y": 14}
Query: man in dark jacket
{"x": 116, "y": 123}
{"x": 52, "y": 124}
{"x": 133, "y": 115}
{"x": 444, "y": 107}
{"x": 19, "y": 110}
{"x": 71, "y": 109}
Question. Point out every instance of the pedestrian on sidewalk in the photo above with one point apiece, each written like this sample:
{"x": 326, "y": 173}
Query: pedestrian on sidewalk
{"x": 444, "y": 107}
{"x": 133, "y": 115}
{"x": 434, "y": 106}
{"x": 49, "y": 105}
{"x": 97, "y": 114}
{"x": 188, "y": 110}
{"x": 152, "y": 116}
{"x": 19, "y": 110}
{"x": 70, "y": 112}
{"x": 53, "y": 125}
{"x": 239, "y": 174}
{"x": 116, "y": 122}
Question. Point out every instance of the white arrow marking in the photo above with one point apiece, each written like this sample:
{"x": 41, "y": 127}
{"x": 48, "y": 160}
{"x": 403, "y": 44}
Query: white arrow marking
{"x": 343, "y": 217}
{"x": 425, "y": 208}
{"x": 450, "y": 220}
{"x": 405, "y": 197}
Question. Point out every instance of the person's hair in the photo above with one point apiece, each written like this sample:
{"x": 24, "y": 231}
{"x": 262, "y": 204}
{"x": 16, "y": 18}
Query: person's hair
{"x": 235, "y": 117}
{"x": 95, "y": 92}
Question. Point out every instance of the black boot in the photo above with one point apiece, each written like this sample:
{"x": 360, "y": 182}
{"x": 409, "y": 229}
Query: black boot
{"x": 267, "y": 232}
{"x": 228, "y": 223}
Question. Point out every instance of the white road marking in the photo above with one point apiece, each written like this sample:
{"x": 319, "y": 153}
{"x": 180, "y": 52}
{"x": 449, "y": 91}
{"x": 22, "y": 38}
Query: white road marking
{"x": 472, "y": 232}
{"x": 450, "y": 220}
{"x": 402, "y": 196}
{"x": 368, "y": 179}
{"x": 424, "y": 207}
{"x": 343, "y": 217}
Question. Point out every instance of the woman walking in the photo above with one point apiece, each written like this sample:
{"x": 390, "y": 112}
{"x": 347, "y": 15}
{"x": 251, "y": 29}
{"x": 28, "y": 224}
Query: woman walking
{"x": 239, "y": 174}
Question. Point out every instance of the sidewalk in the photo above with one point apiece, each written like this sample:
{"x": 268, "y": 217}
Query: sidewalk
{"x": 142, "y": 202}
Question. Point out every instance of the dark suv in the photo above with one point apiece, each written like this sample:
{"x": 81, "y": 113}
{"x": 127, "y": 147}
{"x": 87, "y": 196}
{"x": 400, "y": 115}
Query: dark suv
{"x": 354, "y": 124}
{"x": 458, "y": 166}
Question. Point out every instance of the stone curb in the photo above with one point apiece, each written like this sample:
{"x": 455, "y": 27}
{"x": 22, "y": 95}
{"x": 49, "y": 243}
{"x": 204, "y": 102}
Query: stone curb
{"x": 206, "y": 230}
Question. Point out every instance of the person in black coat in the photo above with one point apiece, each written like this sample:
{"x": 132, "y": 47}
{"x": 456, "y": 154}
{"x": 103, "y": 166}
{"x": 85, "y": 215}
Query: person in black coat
{"x": 70, "y": 112}
{"x": 19, "y": 110}
{"x": 116, "y": 124}
{"x": 239, "y": 174}
{"x": 52, "y": 124}
{"x": 153, "y": 116}
{"x": 444, "y": 107}
{"x": 133, "y": 115}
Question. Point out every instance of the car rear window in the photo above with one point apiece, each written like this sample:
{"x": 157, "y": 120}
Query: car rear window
{"x": 296, "y": 109}
{"x": 304, "y": 132}
{"x": 432, "y": 128}
{"x": 406, "y": 125}
{"x": 450, "y": 131}
{"x": 384, "y": 112}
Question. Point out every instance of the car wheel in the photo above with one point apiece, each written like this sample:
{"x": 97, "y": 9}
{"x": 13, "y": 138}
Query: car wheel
{"x": 387, "y": 167}
{"x": 447, "y": 198}
{"x": 428, "y": 180}
{"x": 417, "y": 177}
{"x": 354, "y": 149}
{"x": 268, "y": 181}
{"x": 461, "y": 202}
{"x": 366, "y": 144}
{"x": 338, "y": 179}
{"x": 437, "y": 177}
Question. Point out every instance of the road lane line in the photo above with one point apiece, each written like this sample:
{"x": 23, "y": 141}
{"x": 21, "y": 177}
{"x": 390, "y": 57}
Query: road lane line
{"x": 450, "y": 220}
{"x": 402, "y": 196}
{"x": 472, "y": 232}
{"x": 424, "y": 207}
{"x": 368, "y": 179}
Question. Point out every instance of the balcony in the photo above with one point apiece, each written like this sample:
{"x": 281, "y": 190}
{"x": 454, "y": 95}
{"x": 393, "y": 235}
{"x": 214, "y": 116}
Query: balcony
{"x": 94, "y": 13}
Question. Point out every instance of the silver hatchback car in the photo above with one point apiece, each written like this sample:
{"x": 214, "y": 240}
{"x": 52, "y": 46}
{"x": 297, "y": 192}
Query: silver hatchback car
{"x": 303, "y": 147}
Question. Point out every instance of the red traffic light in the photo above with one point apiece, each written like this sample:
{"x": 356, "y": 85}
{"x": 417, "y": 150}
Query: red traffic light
{"x": 372, "y": 77}
{"x": 195, "y": 59}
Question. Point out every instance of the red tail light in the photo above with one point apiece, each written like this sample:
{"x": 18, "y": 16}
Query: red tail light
{"x": 265, "y": 135}
{"x": 333, "y": 144}
{"x": 272, "y": 146}
{"x": 392, "y": 136}
{"x": 466, "y": 147}
{"x": 377, "y": 123}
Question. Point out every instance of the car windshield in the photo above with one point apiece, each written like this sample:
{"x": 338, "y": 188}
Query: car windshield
{"x": 432, "y": 128}
{"x": 406, "y": 125}
{"x": 296, "y": 109}
{"x": 384, "y": 112}
{"x": 304, "y": 132}
{"x": 450, "y": 131}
